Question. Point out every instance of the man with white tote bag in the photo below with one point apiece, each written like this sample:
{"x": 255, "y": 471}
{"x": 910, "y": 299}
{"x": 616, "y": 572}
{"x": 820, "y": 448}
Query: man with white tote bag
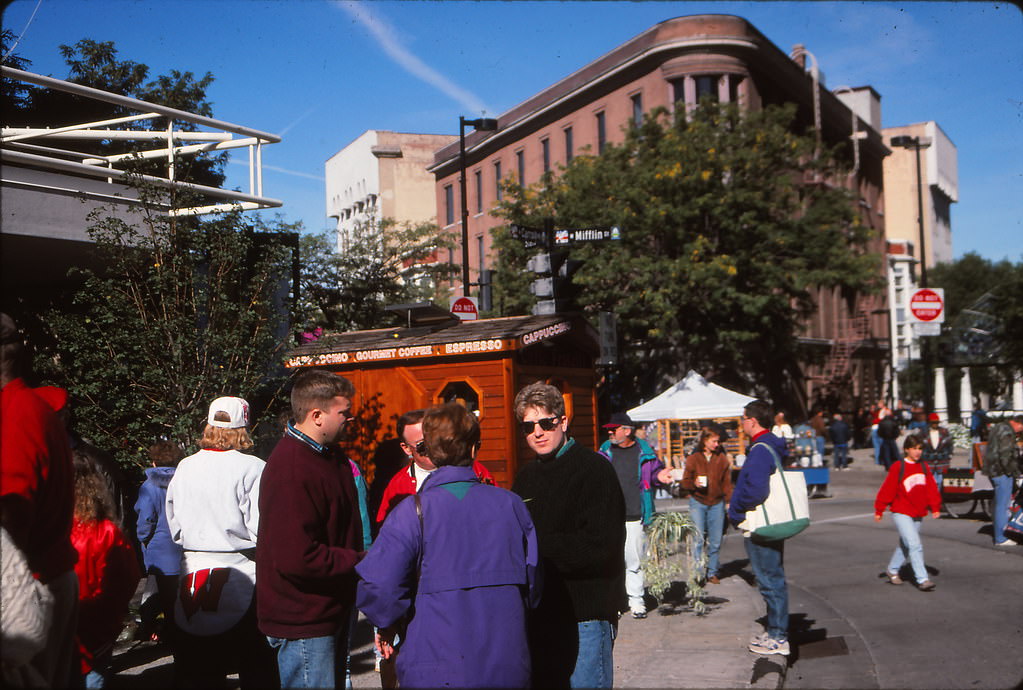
{"x": 767, "y": 558}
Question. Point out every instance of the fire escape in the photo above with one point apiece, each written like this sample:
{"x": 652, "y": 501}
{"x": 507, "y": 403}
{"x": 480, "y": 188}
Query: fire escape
{"x": 850, "y": 332}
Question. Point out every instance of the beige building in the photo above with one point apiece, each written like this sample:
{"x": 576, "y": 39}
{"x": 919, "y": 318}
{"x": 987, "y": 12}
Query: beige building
{"x": 940, "y": 180}
{"x": 382, "y": 175}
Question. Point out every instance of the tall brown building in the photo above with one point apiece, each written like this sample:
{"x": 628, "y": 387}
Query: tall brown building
{"x": 672, "y": 65}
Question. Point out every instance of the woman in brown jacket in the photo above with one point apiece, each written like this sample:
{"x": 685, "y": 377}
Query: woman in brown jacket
{"x": 708, "y": 475}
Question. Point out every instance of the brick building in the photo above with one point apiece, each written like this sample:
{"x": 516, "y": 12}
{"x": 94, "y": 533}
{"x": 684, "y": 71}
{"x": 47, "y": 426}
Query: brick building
{"x": 672, "y": 65}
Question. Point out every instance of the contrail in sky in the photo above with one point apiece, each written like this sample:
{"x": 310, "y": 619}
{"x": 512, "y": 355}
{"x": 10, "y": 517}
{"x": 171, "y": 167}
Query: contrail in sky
{"x": 285, "y": 171}
{"x": 388, "y": 40}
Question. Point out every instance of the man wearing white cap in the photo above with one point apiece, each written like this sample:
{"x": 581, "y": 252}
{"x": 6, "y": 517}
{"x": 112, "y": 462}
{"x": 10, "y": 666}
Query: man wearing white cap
{"x": 213, "y": 513}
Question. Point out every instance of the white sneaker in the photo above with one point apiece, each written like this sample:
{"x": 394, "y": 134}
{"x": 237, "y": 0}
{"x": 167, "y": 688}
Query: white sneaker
{"x": 759, "y": 639}
{"x": 770, "y": 646}
{"x": 1005, "y": 542}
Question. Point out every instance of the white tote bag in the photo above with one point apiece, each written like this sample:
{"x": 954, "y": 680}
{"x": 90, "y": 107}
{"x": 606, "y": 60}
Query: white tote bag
{"x": 786, "y": 512}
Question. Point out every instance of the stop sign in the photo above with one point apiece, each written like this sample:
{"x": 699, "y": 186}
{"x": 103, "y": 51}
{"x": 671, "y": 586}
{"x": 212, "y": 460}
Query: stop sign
{"x": 465, "y": 308}
{"x": 928, "y": 305}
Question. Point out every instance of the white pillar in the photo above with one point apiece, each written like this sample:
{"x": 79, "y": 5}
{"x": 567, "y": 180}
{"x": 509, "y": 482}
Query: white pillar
{"x": 965, "y": 397}
{"x": 940, "y": 397}
{"x": 1017, "y": 393}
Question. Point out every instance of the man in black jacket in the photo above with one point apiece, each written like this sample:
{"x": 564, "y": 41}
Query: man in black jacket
{"x": 578, "y": 510}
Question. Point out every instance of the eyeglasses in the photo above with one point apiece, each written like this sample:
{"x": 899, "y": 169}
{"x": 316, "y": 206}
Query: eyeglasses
{"x": 547, "y": 424}
{"x": 421, "y": 447}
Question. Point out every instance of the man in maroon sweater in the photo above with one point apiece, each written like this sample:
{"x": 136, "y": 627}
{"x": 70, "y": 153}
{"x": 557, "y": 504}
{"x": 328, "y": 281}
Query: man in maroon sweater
{"x": 309, "y": 536}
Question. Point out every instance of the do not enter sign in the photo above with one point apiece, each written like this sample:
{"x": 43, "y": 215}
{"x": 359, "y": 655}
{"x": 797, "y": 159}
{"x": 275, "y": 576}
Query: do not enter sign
{"x": 465, "y": 308}
{"x": 927, "y": 305}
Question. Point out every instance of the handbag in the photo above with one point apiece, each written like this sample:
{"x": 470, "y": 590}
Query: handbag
{"x": 786, "y": 511}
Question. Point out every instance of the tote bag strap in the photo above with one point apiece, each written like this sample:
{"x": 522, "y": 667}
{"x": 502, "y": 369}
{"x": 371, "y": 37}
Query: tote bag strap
{"x": 781, "y": 475}
{"x": 422, "y": 540}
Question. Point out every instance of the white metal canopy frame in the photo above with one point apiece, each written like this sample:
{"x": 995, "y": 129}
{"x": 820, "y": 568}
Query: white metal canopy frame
{"x": 168, "y": 143}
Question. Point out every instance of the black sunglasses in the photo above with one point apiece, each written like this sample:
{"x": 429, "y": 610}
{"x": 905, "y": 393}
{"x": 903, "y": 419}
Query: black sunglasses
{"x": 547, "y": 424}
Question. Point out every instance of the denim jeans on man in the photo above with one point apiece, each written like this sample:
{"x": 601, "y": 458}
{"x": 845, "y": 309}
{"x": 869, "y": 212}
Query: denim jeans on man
{"x": 594, "y": 666}
{"x": 767, "y": 559}
{"x": 710, "y": 525}
{"x": 841, "y": 453}
{"x": 313, "y": 662}
{"x": 909, "y": 546}
{"x": 1003, "y": 485}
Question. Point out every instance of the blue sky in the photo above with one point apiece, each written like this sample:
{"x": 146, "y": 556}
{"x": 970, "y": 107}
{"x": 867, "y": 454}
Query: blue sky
{"x": 321, "y": 72}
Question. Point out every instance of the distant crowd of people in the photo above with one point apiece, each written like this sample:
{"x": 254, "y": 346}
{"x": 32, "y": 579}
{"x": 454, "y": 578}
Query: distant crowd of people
{"x": 261, "y": 568}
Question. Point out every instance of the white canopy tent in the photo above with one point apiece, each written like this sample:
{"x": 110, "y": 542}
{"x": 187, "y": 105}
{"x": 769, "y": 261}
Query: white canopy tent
{"x": 692, "y": 398}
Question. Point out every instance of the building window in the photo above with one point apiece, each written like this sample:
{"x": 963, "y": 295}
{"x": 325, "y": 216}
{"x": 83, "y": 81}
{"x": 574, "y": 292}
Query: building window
{"x": 706, "y": 85}
{"x": 569, "y": 148}
{"x": 678, "y": 91}
{"x": 498, "y": 194}
{"x": 479, "y": 192}
{"x": 637, "y": 109}
{"x": 479, "y": 253}
{"x": 601, "y": 132}
{"x": 449, "y": 204}
{"x": 520, "y": 161}
{"x": 545, "y": 146}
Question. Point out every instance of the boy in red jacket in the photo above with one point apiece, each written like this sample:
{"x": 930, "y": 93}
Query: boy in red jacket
{"x": 910, "y": 491}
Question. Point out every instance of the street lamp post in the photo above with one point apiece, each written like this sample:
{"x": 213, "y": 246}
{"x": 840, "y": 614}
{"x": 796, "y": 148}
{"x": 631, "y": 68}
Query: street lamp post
{"x": 480, "y": 125}
{"x": 917, "y": 143}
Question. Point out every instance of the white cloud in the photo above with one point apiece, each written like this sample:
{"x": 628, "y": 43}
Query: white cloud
{"x": 389, "y": 41}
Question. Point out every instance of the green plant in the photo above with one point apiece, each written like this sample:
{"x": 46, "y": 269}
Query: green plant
{"x": 671, "y": 542}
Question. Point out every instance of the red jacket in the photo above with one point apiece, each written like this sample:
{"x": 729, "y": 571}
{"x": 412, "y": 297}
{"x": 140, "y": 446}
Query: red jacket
{"x": 917, "y": 495}
{"x": 403, "y": 484}
{"x": 108, "y": 574}
{"x": 36, "y": 480}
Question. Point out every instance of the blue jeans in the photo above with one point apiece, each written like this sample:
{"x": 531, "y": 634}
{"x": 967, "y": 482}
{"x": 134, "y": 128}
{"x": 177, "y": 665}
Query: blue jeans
{"x": 889, "y": 452}
{"x": 876, "y": 441}
{"x": 841, "y": 453}
{"x": 909, "y": 546}
{"x": 710, "y": 523}
{"x": 313, "y": 662}
{"x": 767, "y": 559}
{"x": 594, "y": 667}
{"x": 1003, "y": 494}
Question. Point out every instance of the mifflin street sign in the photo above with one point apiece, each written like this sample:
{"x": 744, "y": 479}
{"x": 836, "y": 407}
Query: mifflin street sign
{"x": 598, "y": 234}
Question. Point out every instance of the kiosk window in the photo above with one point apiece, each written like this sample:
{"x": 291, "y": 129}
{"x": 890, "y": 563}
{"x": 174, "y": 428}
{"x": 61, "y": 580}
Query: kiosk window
{"x": 463, "y": 393}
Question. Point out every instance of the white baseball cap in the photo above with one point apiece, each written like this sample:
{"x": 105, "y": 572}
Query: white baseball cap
{"x": 236, "y": 409}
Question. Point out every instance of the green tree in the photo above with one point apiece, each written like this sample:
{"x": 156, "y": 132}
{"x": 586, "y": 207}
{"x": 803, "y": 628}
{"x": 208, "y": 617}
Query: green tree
{"x": 723, "y": 244}
{"x": 185, "y": 310}
{"x": 381, "y": 263}
{"x": 984, "y": 319}
{"x": 96, "y": 64}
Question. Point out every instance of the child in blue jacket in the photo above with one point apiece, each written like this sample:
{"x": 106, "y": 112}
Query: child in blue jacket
{"x": 161, "y": 556}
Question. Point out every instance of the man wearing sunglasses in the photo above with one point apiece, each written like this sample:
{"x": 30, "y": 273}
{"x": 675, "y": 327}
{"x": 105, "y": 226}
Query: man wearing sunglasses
{"x": 408, "y": 481}
{"x": 578, "y": 511}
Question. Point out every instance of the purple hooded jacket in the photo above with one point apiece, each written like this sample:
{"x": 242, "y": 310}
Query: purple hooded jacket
{"x": 479, "y": 577}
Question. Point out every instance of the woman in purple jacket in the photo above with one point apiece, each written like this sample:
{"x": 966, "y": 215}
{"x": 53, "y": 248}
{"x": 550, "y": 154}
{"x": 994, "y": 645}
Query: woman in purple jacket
{"x": 458, "y": 565}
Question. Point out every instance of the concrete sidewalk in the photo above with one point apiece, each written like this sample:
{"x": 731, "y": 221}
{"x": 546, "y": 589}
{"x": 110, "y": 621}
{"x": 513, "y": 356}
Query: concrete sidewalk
{"x": 672, "y": 647}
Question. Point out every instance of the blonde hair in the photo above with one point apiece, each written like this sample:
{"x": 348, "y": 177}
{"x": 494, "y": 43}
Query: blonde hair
{"x": 217, "y": 438}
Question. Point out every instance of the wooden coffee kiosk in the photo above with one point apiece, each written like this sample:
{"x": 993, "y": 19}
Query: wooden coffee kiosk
{"x": 435, "y": 358}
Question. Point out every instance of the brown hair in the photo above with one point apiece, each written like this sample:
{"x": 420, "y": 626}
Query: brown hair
{"x": 317, "y": 389}
{"x": 760, "y": 411}
{"x": 451, "y": 433}
{"x": 93, "y": 501}
{"x": 409, "y": 419}
{"x": 912, "y": 441}
{"x": 165, "y": 453}
{"x": 541, "y": 395}
{"x": 706, "y": 433}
